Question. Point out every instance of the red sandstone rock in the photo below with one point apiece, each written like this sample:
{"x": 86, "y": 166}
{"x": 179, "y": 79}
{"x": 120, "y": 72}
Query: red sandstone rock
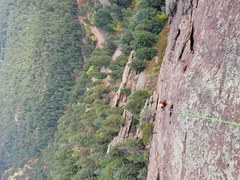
{"x": 200, "y": 74}
{"x": 81, "y": 2}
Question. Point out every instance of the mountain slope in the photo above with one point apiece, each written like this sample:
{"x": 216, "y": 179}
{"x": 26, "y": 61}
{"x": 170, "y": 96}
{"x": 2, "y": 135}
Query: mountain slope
{"x": 199, "y": 76}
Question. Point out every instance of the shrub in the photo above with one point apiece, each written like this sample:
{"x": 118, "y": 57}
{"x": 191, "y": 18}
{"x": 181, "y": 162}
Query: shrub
{"x": 125, "y": 48}
{"x": 137, "y": 101}
{"x": 158, "y": 4}
{"x": 110, "y": 45}
{"x": 142, "y": 174}
{"x": 122, "y": 60}
{"x": 102, "y": 18}
{"x": 144, "y": 39}
{"x": 147, "y": 133}
{"x": 126, "y": 37}
{"x": 116, "y": 13}
{"x": 146, "y": 53}
{"x": 126, "y": 91}
{"x": 138, "y": 65}
{"x": 90, "y": 71}
{"x": 124, "y": 3}
{"x": 117, "y": 71}
{"x": 101, "y": 75}
{"x": 147, "y": 19}
{"x": 101, "y": 61}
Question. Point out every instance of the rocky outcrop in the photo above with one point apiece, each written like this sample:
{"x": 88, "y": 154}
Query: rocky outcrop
{"x": 129, "y": 129}
{"x": 81, "y": 2}
{"x": 130, "y": 80}
{"x": 116, "y": 54}
{"x": 200, "y": 75}
{"x": 148, "y": 113}
{"x": 104, "y": 2}
{"x": 133, "y": 82}
{"x": 127, "y": 82}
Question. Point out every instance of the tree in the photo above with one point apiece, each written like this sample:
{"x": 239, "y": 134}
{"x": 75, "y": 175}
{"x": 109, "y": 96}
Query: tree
{"x": 137, "y": 101}
{"x": 144, "y": 39}
{"x": 147, "y": 19}
{"x": 146, "y": 53}
{"x": 157, "y": 4}
{"x": 102, "y": 18}
{"x": 138, "y": 65}
{"x": 124, "y": 3}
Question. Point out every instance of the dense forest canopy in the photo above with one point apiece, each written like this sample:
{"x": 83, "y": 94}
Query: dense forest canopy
{"x": 40, "y": 47}
{"x": 54, "y": 108}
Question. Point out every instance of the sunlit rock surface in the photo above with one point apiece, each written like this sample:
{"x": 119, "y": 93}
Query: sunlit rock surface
{"x": 200, "y": 75}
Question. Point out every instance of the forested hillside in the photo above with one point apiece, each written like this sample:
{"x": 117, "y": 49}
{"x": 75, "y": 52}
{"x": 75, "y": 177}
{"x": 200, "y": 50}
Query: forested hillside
{"x": 41, "y": 41}
{"x": 55, "y": 96}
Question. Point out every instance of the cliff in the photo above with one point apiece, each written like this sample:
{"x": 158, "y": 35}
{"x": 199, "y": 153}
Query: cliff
{"x": 199, "y": 77}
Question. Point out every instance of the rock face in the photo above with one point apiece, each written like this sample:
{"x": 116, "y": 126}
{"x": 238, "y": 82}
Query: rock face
{"x": 133, "y": 82}
{"x": 81, "y": 2}
{"x": 129, "y": 129}
{"x": 200, "y": 75}
{"x": 130, "y": 80}
{"x": 104, "y": 2}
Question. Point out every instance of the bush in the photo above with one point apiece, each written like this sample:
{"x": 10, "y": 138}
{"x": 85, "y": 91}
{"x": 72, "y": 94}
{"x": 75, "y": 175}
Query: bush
{"x": 138, "y": 65}
{"x": 137, "y": 101}
{"x": 90, "y": 71}
{"x": 126, "y": 91}
{"x": 110, "y": 45}
{"x": 125, "y": 48}
{"x": 122, "y": 60}
{"x": 124, "y": 3}
{"x": 147, "y": 133}
{"x": 144, "y": 39}
{"x": 109, "y": 128}
{"x": 116, "y": 13}
{"x": 101, "y": 61}
{"x": 158, "y": 4}
{"x": 102, "y": 18}
{"x": 101, "y": 75}
{"x": 126, "y": 37}
{"x": 146, "y": 53}
{"x": 117, "y": 71}
{"x": 147, "y": 19}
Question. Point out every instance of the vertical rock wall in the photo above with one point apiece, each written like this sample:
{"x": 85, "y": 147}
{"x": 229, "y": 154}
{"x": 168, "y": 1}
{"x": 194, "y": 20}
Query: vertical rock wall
{"x": 200, "y": 76}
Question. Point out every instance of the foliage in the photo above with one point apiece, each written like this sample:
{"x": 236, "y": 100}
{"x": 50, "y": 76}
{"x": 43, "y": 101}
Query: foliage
{"x": 144, "y": 39}
{"x": 117, "y": 70}
{"x": 137, "y": 101}
{"x": 117, "y": 67}
{"x": 146, "y": 53}
{"x": 157, "y": 4}
{"x": 126, "y": 91}
{"x": 103, "y": 19}
{"x": 124, "y": 3}
{"x": 138, "y": 65}
{"x": 36, "y": 74}
{"x": 125, "y": 161}
{"x": 147, "y": 19}
{"x": 147, "y": 133}
{"x": 101, "y": 75}
{"x": 110, "y": 45}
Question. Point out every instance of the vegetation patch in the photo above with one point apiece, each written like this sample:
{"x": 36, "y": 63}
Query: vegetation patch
{"x": 137, "y": 101}
{"x": 147, "y": 133}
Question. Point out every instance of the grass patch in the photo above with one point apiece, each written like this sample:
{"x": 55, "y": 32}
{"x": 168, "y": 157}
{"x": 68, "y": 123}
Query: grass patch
{"x": 162, "y": 43}
{"x": 147, "y": 133}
